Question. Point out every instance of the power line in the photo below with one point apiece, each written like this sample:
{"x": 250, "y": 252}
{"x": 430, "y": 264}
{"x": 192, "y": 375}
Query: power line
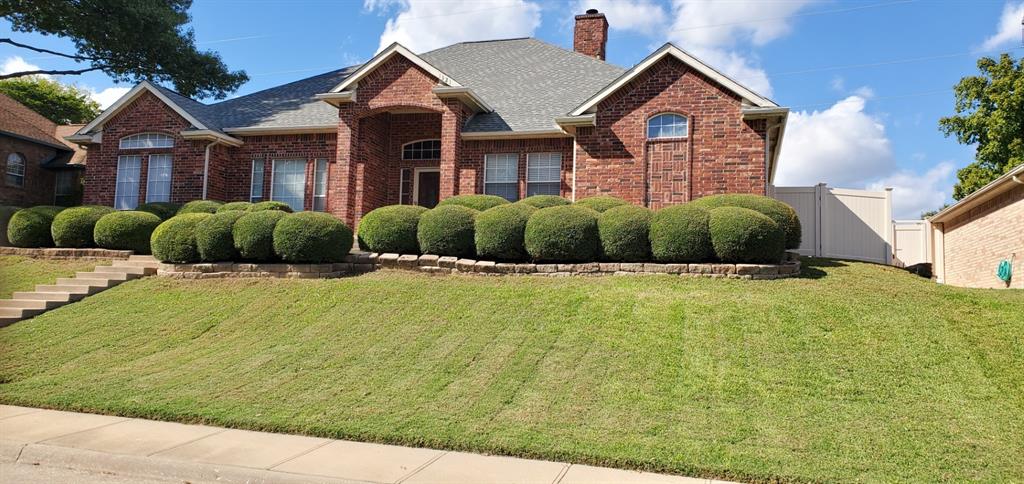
{"x": 888, "y": 62}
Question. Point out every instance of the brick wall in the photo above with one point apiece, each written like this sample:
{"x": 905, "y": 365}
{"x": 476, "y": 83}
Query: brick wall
{"x": 39, "y": 183}
{"x": 471, "y": 167}
{"x": 975, "y": 242}
{"x": 265, "y": 149}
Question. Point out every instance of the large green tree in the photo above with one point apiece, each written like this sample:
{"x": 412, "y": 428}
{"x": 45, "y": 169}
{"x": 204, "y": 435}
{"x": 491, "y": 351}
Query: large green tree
{"x": 60, "y": 103}
{"x": 129, "y": 40}
{"x": 989, "y": 114}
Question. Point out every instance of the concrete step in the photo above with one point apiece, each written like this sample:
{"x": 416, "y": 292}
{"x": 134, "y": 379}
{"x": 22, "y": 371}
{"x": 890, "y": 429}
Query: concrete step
{"x": 31, "y": 303}
{"x": 145, "y": 258}
{"x": 136, "y": 263}
{"x": 19, "y": 312}
{"x": 113, "y": 276}
{"x": 76, "y": 281}
{"x": 48, "y": 296}
{"x": 139, "y": 271}
{"x": 78, "y": 290}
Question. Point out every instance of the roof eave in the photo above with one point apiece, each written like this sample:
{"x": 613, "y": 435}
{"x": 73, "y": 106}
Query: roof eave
{"x": 211, "y": 135}
{"x": 130, "y": 96}
{"x": 992, "y": 189}
{"x": 464, "y": 94}
{"x": 525, "y": 134}
{"x": 336, "y": 99}
{"x": 271, "y": 130}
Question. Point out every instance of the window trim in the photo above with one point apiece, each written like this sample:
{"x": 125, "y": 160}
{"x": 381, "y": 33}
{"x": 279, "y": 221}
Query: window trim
{"x": 558, "y": 180}
{"x": 316, "y": 183}
{"x": 421, "y": 141}
{"x": 7, "y": 169}
{"x": 263, "y": 179}
{"x": 120, "y": 142}
{"x": 117, "y": 185}
{"x": 149, "y": 172}
{"x": 416, "y": 180}
{"x": 686, "y": 129}
{"x": 273, "y": 170}
{"x": 517, "y": 180}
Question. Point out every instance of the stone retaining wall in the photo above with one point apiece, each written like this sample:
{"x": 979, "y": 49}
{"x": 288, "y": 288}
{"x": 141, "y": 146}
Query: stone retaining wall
{"x": 65, "y": 254}
{"x": 358, "y": 263}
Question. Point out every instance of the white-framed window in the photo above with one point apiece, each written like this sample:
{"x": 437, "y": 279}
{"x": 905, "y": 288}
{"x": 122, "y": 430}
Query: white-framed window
{"x": 501, "y": 175}
{"x": 428, "y": 149}
{"x": 15, "y": 170}
{"x": 64, "y": 188}
{"x": 256, "y": 185}
{"x": 288, "y": 183}
{"x": 667, "y": 125}
{"x": 543, "y": 174}
{"x": 146, "y": 140}
{"x": 158, "y": 179}
{"x": 320, "y": 185}
{"x": 126, "y": 190}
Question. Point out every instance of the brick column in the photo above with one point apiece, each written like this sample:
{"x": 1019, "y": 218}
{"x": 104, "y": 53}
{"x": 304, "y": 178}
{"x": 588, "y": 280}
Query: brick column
{"x": 451, "y": 147}
{"x": 341, "y": 178}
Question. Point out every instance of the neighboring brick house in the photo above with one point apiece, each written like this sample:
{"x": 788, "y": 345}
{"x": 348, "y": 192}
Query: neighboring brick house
{"x": 971, "y": 237}
{"x": 38, "y": 167}
{"x": 513, "y": 117}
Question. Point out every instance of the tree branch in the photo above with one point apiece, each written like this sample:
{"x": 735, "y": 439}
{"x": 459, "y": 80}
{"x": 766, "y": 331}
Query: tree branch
{"x": 51, "y": 72}
{"x": 48, "y": 51}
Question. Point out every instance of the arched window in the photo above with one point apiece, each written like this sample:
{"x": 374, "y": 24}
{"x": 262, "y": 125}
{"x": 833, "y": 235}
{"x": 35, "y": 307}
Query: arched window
{"x": 15, "y": 170}
{"x": 428, "y": 149}
{"x": 668, "y": 125}
{"x": 146, "y": 140}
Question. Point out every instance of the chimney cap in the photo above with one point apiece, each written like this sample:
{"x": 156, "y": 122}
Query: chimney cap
{"x": 592, "y": 11}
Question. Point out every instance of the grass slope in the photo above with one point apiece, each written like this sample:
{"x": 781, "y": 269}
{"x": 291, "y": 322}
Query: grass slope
{"x": 23, "y": 273}
{"x": 855, "y": 372}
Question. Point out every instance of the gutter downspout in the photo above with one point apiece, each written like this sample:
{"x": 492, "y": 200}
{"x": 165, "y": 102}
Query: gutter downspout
{"x": 206, "y": 167}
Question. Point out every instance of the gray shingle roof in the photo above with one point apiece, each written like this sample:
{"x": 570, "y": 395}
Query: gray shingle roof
{"x": 528, "y": 83}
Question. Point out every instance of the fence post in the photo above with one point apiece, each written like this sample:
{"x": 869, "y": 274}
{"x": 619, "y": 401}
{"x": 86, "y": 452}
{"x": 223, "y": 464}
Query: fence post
{"x": 890, "y": 229}
{"x": 819, "y": 191}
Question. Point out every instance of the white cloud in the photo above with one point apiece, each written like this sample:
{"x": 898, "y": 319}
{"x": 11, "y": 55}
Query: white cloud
{"x": 107, "y": 96}
{"x": 914, "y": 193}
{"x": 18, "y": 64}
{"x": 641, "y": 16}
{"x": 1009, "y": 28}
{"x": 422, "y": 25}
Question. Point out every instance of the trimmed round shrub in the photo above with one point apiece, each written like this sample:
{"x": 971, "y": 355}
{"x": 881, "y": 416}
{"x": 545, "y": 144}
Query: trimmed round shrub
{"x": 744, "y": 235}
{"x": 73, "y": 227}
{"x": 164, "y": 210}
{"x": 680, "y": 233}
{"x": 253, "y": 234}
{"x": 6, "y": 211}
{"x": 313, "y": 237}
{"x": 780, "y": 212}
{"x": 214, "y": 238}
{"x": 566, "y": 233}
{"x": 271, "y": 205}
{"x": 447, "y": 230}
{"x": 476, "y": 202}
{"x": 391, "y": 229}
{"x": 544, "y": 201}
{"x": 174, "y": 240}
{"x": 624, "y": 233}
{"x": 30, "y": 227}
{"x": 129, "y": 230}
{"x": 500, "y": 232}
{"x": 200, "y": 206}
{"x": 227, "y": 207}
{"x": 602, "y": 203}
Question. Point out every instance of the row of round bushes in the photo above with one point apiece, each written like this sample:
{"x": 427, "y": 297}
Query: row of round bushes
{"x": 729, "y": 228}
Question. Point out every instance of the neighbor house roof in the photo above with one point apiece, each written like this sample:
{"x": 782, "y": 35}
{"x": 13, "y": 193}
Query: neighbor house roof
{"x": 20, "y": 121}
{"x": 996, "y": 187}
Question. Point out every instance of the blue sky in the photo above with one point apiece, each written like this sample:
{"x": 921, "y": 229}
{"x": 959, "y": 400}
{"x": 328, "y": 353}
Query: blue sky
{"x": 867, "y": 80}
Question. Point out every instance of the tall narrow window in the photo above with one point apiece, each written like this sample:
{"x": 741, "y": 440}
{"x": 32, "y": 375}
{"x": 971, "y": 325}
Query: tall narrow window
{"x": 256, "y": 186}
{"x": 64, "y": 188}
{"x": 405, "y": 186}
{"x": 422, "y": 150}
{"x": 668, "y": 125}
{"x": 126, "y": 189}
{"x": 501, "y": 176}
{"x": 15, "y": 170}
{"x": 543, "y": 174}
{"x": 288, "y": 183}
{"x": 320, "y": 185}
{"x": 146, "y": 140}
{"x": 158, "y": 179}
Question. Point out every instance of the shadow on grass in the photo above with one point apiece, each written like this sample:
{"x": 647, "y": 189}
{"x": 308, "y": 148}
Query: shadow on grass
{"x": 811, "y": 267}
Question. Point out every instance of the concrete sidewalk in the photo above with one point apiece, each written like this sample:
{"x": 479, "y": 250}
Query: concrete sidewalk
{"x": 196, "y": 453}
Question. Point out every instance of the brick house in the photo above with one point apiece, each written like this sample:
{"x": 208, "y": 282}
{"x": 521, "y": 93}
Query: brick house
{"x": 512, "y": 117}
{"x": 39, "y": 168}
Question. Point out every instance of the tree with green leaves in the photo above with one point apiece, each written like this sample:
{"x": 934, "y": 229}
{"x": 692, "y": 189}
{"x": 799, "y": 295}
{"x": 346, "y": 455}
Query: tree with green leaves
{"x": 60, "y": 103}
{"x": 129, "y": 40}
{"x": 990, "y": 114}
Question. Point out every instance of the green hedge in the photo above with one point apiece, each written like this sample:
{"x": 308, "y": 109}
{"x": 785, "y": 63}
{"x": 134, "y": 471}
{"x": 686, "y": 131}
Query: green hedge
{"x": 780, "y": 212}
{"x": 565, "y": 233}
{"x": 6, "y": 212}
{"x": 254, "y": 234}
{"x": 164, "y": 210}
{"x": 680, "y": 233}
{"x": 200, "y": 206}
{"x": 544, "y": 201}
{"x": 129, "y": 230}
{"x": 500, "y": 232}
{"x": 73, "y": 227}
{"x": 602, "y": 203}
{"x": 624, "y": 233}
{"x": 30, "y": 227}
{"x": 391, "y": 229}
{"x": 313, "y": 237}
{"x": 174, "y": 240}
{"x": 214, "y": 237}
{"x": 230, "y": 206}
{"x": 447, "y": 230}
{"x": 744, "y": 235}
{"x": 270, "y": 205}
{"x": 476, "y": 202}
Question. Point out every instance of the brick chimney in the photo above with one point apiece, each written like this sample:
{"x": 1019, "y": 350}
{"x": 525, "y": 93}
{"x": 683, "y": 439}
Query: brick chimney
{"x": 591, "y": 34}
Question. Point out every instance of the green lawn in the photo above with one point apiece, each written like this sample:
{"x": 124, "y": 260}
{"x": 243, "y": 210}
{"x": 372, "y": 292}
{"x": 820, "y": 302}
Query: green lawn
{"x": 22, "y": 273}
{"x": 855, "y": 372}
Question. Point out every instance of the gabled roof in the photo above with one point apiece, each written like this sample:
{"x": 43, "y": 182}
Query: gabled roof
{"x": 20, "y": 121}
{"x": 382, "y": 57}
{"x": 187, "y": 108}
{"x": 671, "y": 50}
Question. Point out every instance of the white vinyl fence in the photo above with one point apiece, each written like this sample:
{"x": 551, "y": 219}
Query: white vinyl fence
{"x": 911, "y": 244}
{"x": 842, "y": 223}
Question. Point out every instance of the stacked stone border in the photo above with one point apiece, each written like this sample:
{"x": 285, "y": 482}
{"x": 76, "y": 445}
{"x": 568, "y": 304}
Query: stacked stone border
{"x": 358, "y": 263}
{"x": 67, "y": 254}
